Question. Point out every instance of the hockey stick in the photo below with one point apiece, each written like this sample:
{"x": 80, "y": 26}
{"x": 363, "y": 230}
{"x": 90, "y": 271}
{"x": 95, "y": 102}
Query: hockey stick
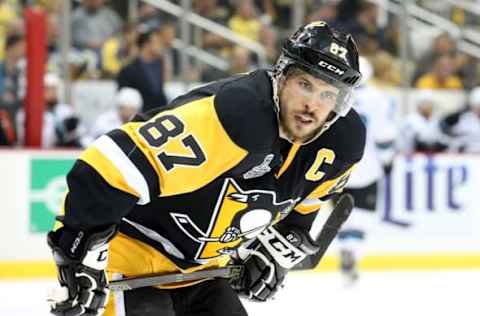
{"x": 328, "y": 232}
{"x": 231, "y": 271}
{"x": 334, "y": 222}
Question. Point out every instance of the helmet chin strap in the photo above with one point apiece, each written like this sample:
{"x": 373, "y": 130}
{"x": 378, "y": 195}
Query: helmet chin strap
{"x": 275, "y": 78}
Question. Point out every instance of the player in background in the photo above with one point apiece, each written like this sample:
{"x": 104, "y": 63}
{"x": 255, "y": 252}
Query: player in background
{"x": 127, "y": 102}
{"x": 377, "y": 112}
{"x": 462, "y": 128}
{"x": 421, "y": 129}
{"x": 230, "y": 168}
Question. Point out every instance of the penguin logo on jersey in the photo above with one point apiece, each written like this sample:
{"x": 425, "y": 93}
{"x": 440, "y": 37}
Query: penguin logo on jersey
{"x": 238, "y": 214}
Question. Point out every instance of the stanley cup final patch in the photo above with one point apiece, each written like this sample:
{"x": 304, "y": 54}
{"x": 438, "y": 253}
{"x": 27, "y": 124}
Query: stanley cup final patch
{"x": 261, "y": 169}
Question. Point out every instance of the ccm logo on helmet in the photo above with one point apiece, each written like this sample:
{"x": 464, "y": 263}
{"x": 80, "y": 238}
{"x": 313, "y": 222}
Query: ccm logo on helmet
{"x": 330, "y": 67}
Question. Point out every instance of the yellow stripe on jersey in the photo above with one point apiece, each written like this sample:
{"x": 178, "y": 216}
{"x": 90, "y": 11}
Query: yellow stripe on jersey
{"x": 326, "y": 188}
{"x": 200, "y": 123}
{"x": 307, "y": 208}
{"x": 106, "y": 169}
{"x": 291, "y": 154}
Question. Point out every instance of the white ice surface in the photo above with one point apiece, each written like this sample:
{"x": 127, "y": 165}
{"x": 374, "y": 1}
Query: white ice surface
{"x": 441, "y": 293}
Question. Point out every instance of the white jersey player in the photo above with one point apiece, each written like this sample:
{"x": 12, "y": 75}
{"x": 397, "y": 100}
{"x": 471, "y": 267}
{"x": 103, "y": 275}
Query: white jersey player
{"x": 463, "y": 127}
{"x": 377, "y": 112}
{"x": 128, "y": 102}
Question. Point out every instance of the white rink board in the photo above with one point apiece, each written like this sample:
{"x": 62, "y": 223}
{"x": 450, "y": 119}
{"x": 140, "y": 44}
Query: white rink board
{"x": 431, "y": 205}
{"x": 441, "y": 206}
{"x": 19, "y": 242}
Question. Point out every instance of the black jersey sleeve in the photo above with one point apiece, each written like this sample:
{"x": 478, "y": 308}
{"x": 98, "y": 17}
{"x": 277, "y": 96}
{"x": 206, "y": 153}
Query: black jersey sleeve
{"x": 349, "y": 133}
{"x": 92, "y": 201}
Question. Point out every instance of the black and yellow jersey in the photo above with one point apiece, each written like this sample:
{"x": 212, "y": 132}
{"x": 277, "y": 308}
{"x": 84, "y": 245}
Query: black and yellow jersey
{"x": 194, "y": 179}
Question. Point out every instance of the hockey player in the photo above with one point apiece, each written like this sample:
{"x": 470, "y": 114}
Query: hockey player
{"x": 462, "y": 128}
{"x": 244, "y": 160}
{"x": 377, "y": 112}
{"x": 128, "y": 101}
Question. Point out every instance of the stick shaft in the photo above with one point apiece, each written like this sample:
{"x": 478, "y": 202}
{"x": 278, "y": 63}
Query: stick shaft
{"x": 137, "y": 282}
{"x": 327, "y": 234}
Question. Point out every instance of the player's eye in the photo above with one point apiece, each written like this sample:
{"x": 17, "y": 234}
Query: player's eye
{"x": 304, "y": 84}
{"x": 328, "y": 97}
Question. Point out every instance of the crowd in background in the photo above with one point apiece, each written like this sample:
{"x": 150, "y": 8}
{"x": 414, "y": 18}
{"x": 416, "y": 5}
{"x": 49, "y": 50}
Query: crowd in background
{"x": 142, "y": 55}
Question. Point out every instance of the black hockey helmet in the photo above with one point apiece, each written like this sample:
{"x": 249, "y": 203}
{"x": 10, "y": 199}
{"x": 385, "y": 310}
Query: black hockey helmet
{"x": 326, "y": 54}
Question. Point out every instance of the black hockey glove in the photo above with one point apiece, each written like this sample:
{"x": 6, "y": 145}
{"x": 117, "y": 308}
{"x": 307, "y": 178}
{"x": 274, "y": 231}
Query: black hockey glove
{"x": 81, "y": 259}
{"x": 268, "y": 258}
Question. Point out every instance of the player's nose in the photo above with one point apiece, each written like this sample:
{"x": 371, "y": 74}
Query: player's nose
{"x": 313, "y": 103}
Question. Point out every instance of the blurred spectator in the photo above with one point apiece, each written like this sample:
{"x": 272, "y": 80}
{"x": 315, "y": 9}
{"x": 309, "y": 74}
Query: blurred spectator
{"x": 347, "y": 9}
{"x": 390, "y": 40}
{"x": 53, "y": 33}
{"x": 8, "y": 15}
{"x": 269, "y": 40}
{"x": 118, "y": 50}
{"x": 245, "y": 21}
{"x": 93, "y": 23}
{"x": 212, "y": 10}
{"x": 281, "y": 12}
{"x": 69, "y": 130}
{"x": 326, "y": 10}
{"x": 128, "y": 102}
{"x": 442, "y": 44}
{"x": 240, "y": 62}
{"x": 12, "y": 75}
{"x": 267, "y": 10}
{"x": 146, "y": 12}
{"x": 82, "y": 63}
{"x": 52, "y": 7}
{"x": 386, "y": 70}
{"x": 467, "y": 69}
{"x": 146, "y": 72}
{"x": 442, "y": 75}
{"x": 364, "y": 26}
{"x": 171, "y": 55}
{"x": 421, "y": 129}
{"x": 463, "y": 127}
{"x": 61, "y": 125}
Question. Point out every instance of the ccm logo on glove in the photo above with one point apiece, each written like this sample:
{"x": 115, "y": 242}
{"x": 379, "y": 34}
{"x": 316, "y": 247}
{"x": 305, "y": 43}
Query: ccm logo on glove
{"x": 284, "y": 251}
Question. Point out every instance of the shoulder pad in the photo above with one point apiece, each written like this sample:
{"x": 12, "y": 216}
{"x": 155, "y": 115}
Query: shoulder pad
{"x": 348, "y": 134}
{"x": 249, "y": 121}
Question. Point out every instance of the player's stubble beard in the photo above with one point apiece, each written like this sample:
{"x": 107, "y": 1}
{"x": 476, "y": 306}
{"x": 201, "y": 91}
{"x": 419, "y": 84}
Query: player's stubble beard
{"x": 289, "y": 133}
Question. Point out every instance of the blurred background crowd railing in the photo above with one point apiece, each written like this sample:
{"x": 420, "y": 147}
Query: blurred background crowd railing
{"x": 424, "y": 55}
